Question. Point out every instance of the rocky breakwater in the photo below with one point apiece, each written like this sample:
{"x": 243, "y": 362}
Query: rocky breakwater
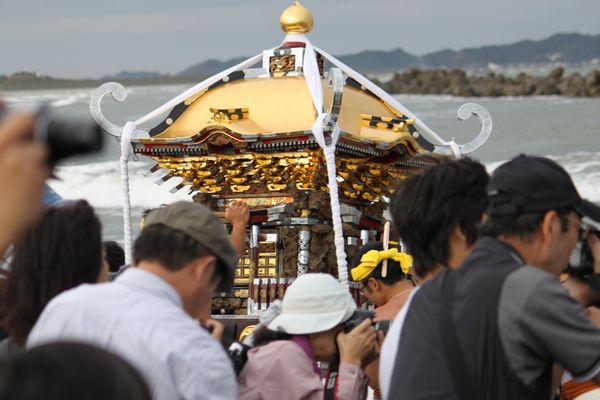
{"x": 457, "y": 82}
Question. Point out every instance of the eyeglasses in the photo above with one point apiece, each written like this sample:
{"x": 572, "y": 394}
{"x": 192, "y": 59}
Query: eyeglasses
{"x": 584, "y": 228}
{"x": 362, "y": 288}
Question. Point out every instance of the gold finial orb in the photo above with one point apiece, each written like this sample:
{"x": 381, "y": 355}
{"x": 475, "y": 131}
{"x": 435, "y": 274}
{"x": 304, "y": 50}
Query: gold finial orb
{"x": 296, "y": 19}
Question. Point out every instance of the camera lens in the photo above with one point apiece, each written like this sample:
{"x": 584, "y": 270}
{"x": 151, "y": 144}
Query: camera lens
{"x": 67, "y": 137}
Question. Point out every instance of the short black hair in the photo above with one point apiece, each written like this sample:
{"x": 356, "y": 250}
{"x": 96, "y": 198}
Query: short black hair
{"x": 394, "y": 270}
{"x": 115, "y": 255}
{"x": 172, "y": 248}
{"x": 523, "y": 225}
{"x": 427, "y": 207}
{"x": 70, "y": 371}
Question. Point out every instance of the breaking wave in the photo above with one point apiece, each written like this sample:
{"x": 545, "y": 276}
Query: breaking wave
{"x": 101, "y": 185}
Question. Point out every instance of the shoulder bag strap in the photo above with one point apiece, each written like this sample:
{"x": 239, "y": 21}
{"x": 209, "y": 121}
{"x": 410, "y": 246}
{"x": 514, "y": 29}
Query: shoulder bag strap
{"x": 452, "y": 349}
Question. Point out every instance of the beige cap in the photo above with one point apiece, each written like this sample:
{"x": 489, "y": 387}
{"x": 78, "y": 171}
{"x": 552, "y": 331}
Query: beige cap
{"x": 201, "y": 224}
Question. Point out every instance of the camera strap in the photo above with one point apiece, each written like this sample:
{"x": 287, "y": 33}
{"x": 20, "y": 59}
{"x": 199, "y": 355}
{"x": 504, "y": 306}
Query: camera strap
{"x": 331, "y": 384}
{"x": 457, "y": 365}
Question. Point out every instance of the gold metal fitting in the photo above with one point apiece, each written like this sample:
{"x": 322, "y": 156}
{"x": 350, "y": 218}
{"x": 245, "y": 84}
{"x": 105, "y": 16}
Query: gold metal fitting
{"x": 296, "y": 19}
{"x": 239, "y": 188}
{"x": 274, "y": 187}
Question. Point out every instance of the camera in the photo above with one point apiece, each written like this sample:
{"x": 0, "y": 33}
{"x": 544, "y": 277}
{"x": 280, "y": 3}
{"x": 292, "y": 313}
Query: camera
{"x": 67, "y": 137}
{"x": 64, "y": 136}
{"x": 581, "y": 263}
{"x": 359, "y": 316}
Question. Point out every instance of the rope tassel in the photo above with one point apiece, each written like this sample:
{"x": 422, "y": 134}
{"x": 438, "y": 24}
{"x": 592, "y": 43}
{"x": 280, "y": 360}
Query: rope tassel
{"x": 126, "y": 152}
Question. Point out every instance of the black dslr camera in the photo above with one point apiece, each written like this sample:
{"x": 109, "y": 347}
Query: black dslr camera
{"x": 65, "y": 137}
{"x": 581, "y": 263}
{"x": 359, "y": 316}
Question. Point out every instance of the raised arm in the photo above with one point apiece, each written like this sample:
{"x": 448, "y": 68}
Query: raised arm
{"x": 238, "y": 214}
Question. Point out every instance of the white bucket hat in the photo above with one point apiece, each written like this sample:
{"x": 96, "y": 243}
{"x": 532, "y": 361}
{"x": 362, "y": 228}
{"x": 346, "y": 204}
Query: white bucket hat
{"x": 313, "y": 303}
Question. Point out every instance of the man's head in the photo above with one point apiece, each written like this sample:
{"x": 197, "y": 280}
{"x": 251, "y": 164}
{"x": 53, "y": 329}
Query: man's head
{"x": 535, "y": 206}
{"x": 192, "y": 249}
{"x": 62, "y": 371}
{"x": 367, "y": 269}
{"x": 114, "y": 255}
{"x": 437, "y": 213}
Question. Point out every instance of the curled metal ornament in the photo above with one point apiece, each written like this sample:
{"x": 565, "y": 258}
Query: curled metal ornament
{"x": 303, "y": 251}
{"x": 463, "y": 113}
{"x": 119, "y": 94}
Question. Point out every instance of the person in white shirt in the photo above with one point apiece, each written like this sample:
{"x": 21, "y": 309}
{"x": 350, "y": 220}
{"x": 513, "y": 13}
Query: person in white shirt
{"x": 436, "y": 214}
{"x": 147, "y": 314}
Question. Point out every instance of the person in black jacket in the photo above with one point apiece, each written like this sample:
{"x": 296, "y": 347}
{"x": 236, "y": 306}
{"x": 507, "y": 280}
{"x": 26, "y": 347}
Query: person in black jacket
{"x": 493, "y": 328}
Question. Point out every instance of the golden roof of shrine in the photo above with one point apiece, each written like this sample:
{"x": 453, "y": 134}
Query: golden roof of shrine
{"x": 281, "y": 107}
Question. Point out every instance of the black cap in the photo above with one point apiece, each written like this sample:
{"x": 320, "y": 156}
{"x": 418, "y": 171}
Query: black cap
{"x": 528, "y": 184}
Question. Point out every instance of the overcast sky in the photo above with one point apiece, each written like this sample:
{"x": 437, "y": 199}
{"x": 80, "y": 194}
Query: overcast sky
{"x": 85, "y": 38}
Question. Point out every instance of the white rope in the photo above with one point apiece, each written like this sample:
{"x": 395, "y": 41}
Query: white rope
{"x": 454, "y": 149}
{"x": 126, "y": 152}
{"x": 312, "y": 76}
{"x": 432, "y": 136}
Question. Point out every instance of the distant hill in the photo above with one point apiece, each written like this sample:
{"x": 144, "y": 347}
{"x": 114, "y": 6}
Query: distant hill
{"x": 381, "y": 61}
{"x": 134, "y": 75}
{"x": 564, "y": 48}
{"x": 568, "y": 48}
{"x": 210, "y": 67}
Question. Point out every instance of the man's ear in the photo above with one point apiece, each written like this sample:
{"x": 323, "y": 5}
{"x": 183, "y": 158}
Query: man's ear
{"x": 550, "y": 226}
{"x": 203, "y": 269}
{"x": 459, "y": 234}
{"x": 375, "y": 284}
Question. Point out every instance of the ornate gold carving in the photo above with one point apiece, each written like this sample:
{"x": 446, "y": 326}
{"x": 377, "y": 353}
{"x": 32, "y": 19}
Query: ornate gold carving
{"x": 268, "y": 175}
{"x": 240, "y": 188}
{"x": 281, "y": 65}
{"x": 273, "y": 187}
{"x": 304, "y": 186}
{"x": 211, "y": 189}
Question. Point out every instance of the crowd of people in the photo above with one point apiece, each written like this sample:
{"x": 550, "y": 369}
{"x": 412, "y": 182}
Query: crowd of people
{"x": 479, "y": 299}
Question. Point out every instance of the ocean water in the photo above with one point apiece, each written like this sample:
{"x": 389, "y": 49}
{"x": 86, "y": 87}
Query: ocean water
{"x": 565, "y": 129}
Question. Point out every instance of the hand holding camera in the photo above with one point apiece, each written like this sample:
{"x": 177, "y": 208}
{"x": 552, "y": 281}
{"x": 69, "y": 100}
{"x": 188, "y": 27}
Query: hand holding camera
{"x": 594, "y": 245}
{"x": 357, "y": 345}
{"x": 584, "y": 266}
{"x": 31, "y": 143}
{"x": 23, "y": 170}
{"x": 584, "y": 263}
{"x": 64, "y": 137}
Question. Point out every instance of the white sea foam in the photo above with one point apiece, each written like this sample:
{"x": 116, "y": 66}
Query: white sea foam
{"x": 584, "y": 168}
{"x": 100, "y": 184}
{"x": 56, "y": 98}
